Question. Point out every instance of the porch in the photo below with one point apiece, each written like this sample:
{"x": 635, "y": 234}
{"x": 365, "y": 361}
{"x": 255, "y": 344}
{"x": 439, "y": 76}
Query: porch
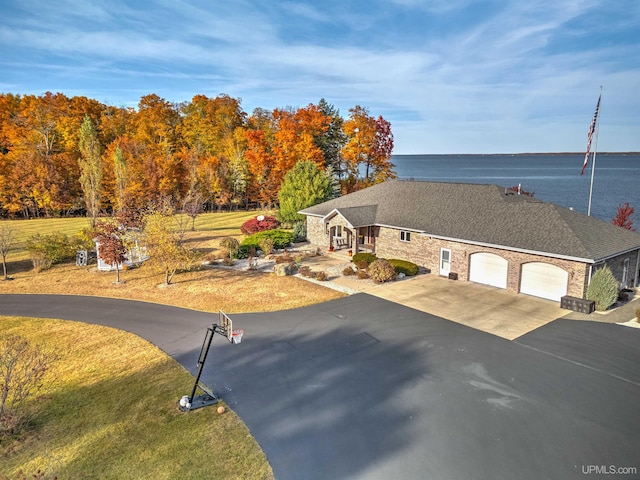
{"x": 352, "y": 240}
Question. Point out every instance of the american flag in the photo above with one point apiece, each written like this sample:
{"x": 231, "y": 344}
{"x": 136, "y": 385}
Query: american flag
{"x": 592, "y": 129}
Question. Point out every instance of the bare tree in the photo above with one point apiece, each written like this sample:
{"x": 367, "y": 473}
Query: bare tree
{"x": 193, "y": 206}
{"x": 6, "y": 242}
{"x": 22, "y": 370}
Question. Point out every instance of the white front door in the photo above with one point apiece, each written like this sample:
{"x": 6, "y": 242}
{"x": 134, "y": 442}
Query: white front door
{"x": 445, "y": 261}
{"x": 625, "y": 273}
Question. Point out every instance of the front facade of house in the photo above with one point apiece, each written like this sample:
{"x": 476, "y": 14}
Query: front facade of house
{"x": 478, "y": 233}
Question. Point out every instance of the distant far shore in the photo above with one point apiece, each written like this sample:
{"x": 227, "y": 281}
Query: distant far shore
{"x": 508, "y": 154}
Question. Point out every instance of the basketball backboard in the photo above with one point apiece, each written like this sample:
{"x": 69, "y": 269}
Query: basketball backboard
{"x": 226, "y": 325}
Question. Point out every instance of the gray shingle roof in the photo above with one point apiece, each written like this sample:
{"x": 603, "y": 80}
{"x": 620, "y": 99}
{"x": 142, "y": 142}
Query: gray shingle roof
{"x": 484, "y": 214}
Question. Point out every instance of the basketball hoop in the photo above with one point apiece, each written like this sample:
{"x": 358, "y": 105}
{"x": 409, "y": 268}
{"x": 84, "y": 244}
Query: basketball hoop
{"x": 236, "y": 335}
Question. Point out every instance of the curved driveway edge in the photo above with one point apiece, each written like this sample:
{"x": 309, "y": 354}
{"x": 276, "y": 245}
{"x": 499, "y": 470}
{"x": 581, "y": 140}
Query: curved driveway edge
{"x": 361, "y": 387}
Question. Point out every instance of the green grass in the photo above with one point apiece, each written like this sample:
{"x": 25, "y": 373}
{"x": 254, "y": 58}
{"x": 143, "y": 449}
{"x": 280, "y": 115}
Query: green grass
{"x": 216, "y": 223}
{"x": 109, "y": 411}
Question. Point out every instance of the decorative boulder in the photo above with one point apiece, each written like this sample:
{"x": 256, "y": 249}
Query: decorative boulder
{"x": 283, "y": 269}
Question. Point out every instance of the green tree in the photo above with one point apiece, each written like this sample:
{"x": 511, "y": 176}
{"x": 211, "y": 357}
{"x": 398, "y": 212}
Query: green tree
{"x": 603, "y": 288}
{"x": 303, "y": 186}
{"x": 90, "y": 163}
{"x": 334, "y": 139}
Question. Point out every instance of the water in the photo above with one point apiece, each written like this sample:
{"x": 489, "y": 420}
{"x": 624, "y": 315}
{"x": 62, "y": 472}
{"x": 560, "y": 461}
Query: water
{"x": 551, "y": 178}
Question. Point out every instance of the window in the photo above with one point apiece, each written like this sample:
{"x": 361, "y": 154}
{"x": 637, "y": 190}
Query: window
{"x": 338, "y": 230}
{"x": 405, "y": 236}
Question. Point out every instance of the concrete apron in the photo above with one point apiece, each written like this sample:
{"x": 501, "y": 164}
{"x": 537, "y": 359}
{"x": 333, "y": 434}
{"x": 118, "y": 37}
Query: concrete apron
{"x": 493, "y": 310}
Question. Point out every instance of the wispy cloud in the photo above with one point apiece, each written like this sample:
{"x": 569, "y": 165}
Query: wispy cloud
{"x": 450, "y": 76}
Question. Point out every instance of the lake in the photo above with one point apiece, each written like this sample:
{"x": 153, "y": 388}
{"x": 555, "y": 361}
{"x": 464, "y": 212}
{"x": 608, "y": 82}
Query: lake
{"x": 551, "y": 177}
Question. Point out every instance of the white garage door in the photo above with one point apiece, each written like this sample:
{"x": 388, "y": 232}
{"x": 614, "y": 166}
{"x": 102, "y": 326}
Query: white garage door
{"x": 489, "y": 269}
{"x": 544, "y": 280}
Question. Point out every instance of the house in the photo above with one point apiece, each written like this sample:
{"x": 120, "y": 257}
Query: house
{"x": 479, "y": 233}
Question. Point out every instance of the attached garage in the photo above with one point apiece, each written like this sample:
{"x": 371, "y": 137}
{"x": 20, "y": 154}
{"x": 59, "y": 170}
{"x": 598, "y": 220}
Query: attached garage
{"x": 489, "y": 269}
{"x": 544, "y": 280}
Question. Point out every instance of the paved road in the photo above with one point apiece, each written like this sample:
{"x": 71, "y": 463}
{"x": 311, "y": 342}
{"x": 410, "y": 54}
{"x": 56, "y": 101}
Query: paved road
{"x": 365, "y": 388}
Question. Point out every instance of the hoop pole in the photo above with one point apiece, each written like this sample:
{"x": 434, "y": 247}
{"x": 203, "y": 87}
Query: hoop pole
{"x": 204, "y": 358}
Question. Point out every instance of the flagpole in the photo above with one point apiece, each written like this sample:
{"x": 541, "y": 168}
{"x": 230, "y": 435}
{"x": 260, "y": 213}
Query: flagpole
{"x": 595, "y": 151}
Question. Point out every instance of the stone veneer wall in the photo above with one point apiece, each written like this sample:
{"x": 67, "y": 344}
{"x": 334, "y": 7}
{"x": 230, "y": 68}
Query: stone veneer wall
{"x": 315, "y": 231}
{"x": 425, "y": 251}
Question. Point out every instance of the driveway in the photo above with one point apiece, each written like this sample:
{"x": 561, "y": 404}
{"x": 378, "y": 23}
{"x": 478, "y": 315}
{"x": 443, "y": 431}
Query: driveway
{"x": 362, "y": 387}
{"x": 494, "y": 310}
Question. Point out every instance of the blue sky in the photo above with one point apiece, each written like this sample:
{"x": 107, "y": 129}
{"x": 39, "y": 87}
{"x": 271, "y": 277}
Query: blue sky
{"x": 452, "y": 76}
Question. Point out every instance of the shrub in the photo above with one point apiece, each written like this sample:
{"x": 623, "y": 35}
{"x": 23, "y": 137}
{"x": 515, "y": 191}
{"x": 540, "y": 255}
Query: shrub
{"x": 362, "y": 274}
{"x": 305, "y": 271}
{"x": 266, "y": 245}
{"x": 47, "y": 250}
{"x": 347, "y": 272}
{"x": 254, "y": 225}
{"x": 381, "y": 271}
{"x": 281, "y": 239}
{"x": 402, "y": 266}
{"x": 284, "y": 259}
{"x": 363, "y": 257}
{"x": 603, "y": 289}
{"x": 321, "y": 276}
{"x": 231, "y": 245}
{"x": 299, "y": 232}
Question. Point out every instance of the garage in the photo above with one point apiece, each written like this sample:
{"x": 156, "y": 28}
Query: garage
{"x": 544, "y": 280}
{"x": 489, "y": 269}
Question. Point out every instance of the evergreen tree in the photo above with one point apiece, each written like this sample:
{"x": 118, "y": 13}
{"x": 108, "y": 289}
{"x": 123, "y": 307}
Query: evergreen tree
{"x": 303, "y": 186}
{"x": 603, "y": 288}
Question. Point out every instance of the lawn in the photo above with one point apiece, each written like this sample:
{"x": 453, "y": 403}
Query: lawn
{"x": 109, "y": 411}
{"x": 208, "y": 289}
{"x": 112, "y": 408}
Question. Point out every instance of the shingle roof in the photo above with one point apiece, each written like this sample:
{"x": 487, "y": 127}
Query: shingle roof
{"x": 484, "y": 214}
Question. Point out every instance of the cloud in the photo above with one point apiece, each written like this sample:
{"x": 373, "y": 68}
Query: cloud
{"x": 448, "y": 75}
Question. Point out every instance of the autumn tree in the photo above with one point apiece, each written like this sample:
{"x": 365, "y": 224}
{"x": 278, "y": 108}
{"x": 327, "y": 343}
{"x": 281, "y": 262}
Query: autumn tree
{"x": 623, "y": 217}
{"x": 167, "y": 250}
{"x": 111, "y": 244}
{"x": 259, "y": 141}
{"x": 155, "y": 126}
{"x": 90, "y": 163}
{"x": 303, "y": 186}
{"x": 367, "y": 154}
{"x": 121, "y": 174}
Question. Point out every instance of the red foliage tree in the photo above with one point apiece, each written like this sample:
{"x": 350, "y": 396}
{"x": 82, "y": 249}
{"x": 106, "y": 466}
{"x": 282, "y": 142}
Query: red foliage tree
{"x": 112, "y": 249}
{"x": 623, "y": 217}
{"x": 259, "y": 224}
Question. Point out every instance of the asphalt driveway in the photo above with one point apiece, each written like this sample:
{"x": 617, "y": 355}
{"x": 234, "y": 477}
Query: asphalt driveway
{"x": 366, "y": 388}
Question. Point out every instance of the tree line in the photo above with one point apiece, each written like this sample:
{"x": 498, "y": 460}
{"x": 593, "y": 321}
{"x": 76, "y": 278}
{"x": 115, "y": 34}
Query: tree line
{"x": 67, "y": 156}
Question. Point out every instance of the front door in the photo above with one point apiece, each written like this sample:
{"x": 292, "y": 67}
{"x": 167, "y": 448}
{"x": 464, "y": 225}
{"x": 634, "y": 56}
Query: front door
{"x": 445, "y": 261}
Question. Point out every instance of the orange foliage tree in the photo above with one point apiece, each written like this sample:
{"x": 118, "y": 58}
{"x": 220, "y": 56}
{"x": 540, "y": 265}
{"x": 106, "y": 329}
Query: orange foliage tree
{"x": 207, "y": 149}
